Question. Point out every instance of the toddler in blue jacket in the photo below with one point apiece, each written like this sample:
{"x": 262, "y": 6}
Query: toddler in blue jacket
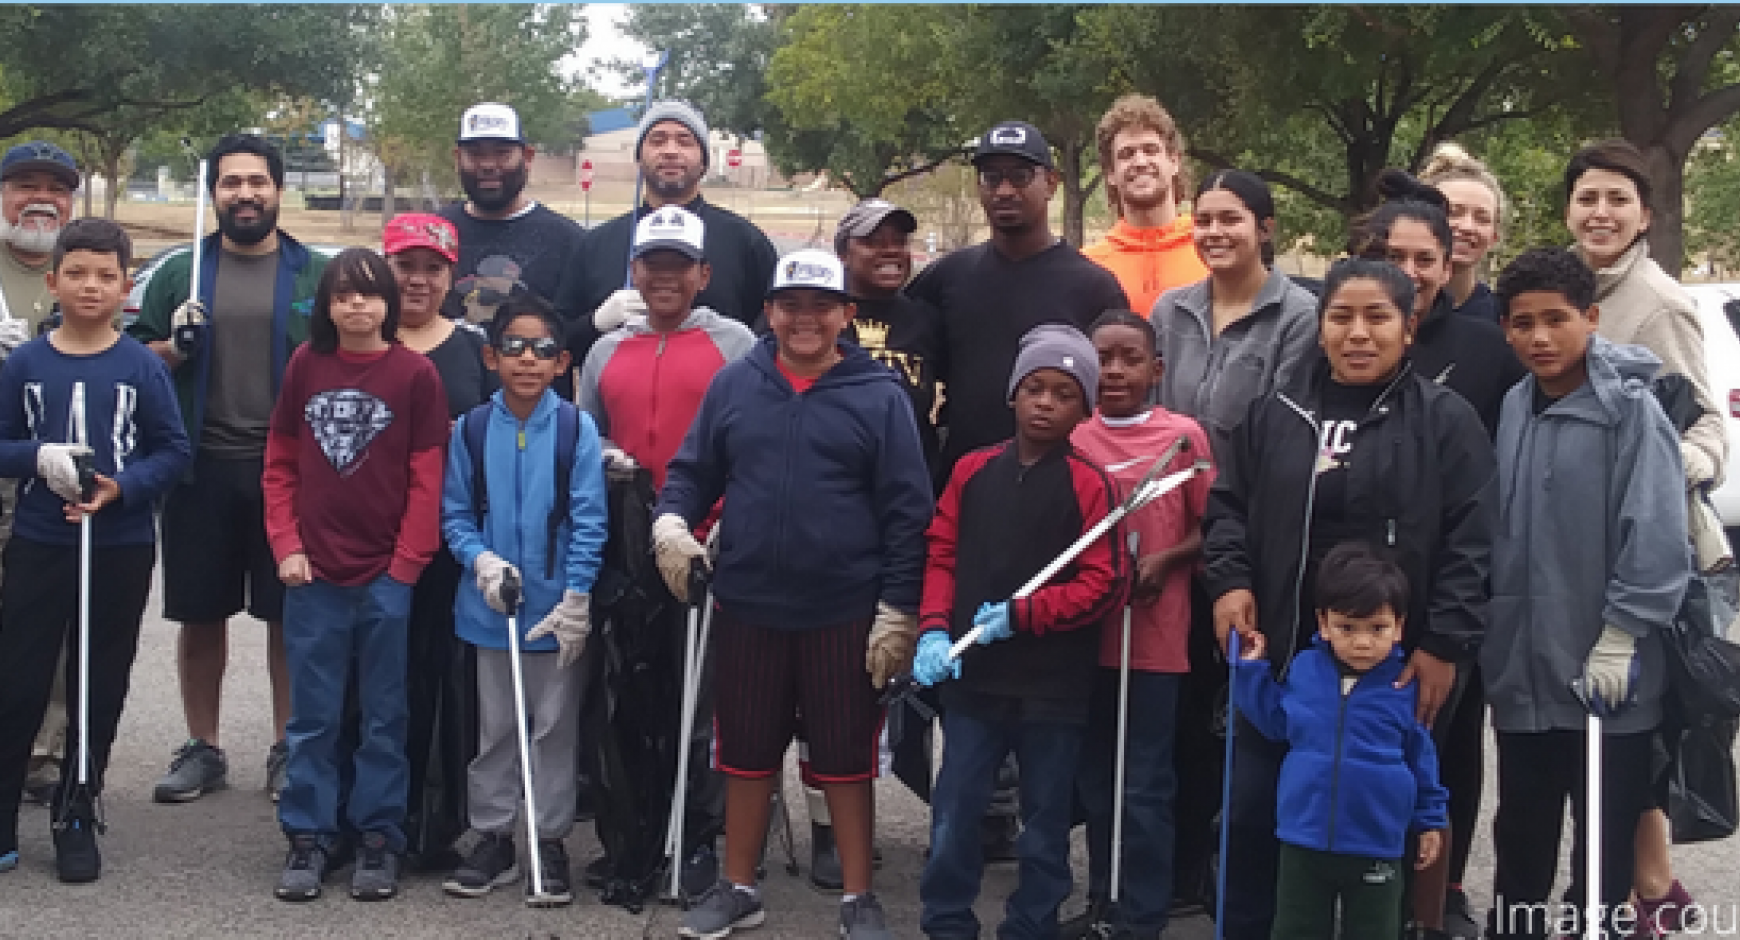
{"x": 1361, "y": 771}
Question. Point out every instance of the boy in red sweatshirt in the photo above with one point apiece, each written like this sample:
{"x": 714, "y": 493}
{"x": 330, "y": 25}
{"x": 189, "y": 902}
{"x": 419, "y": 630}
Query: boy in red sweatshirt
{"x": 353, "y": 508}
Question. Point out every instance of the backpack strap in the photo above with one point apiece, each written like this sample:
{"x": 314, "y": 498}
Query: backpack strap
{"x": 567, "y": 438}
{"x": 476, "y": 428}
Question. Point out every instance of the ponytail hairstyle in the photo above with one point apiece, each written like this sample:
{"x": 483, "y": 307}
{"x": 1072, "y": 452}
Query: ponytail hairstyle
{"x": 1449, "y": 162}
{"x": 1404, "y": 197}
{"x": 1256, "y": 196}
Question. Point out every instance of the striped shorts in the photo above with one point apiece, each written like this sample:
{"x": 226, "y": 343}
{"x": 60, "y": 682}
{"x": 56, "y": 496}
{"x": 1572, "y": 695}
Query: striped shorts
{"x": 766, "y": 678}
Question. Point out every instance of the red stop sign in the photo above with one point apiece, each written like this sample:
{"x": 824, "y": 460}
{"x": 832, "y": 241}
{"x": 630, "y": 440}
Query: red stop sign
{"x": 585, "y": 175}
{"x": 733, "y": 157}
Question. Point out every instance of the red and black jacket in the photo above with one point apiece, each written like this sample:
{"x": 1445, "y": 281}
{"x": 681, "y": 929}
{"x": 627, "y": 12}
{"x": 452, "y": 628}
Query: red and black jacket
{"x": 997, "y": 526}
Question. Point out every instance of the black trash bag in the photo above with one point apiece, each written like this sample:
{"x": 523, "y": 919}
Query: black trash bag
{"x": 911, "y": 718}
{"x": 1702, "y": 803}
{"x": 630, "y": 721}
{"x": 441, "y": 732}
{"x": 1703, "y": 668}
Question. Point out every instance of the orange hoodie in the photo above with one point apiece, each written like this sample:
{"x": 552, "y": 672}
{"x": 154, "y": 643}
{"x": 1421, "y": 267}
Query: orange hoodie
{"x": 1149, "y": 261}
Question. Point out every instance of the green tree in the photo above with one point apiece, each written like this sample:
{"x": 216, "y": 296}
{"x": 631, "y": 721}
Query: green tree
{"x": 74, "y": 67}
{"x": 1671, "y": 74}
{"x": 718, "y": 57}
{"x": 440, "y": 59}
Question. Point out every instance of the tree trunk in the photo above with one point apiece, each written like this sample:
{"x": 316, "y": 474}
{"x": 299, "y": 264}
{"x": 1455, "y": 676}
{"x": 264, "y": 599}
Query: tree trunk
{"x": 1667, "y": 175}
{"x": 112, "y": 172}
{"x": 1074, "y": 196}
{"x": 387, "y": 200}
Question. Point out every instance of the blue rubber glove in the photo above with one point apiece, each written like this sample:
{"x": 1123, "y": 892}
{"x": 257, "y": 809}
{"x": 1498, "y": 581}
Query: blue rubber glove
{"x": 995, "y": 619}
{"x": 931, "y": 664}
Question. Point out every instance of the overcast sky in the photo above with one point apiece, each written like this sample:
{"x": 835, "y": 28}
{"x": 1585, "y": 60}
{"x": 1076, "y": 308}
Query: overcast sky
{"x": 604, "y": 42}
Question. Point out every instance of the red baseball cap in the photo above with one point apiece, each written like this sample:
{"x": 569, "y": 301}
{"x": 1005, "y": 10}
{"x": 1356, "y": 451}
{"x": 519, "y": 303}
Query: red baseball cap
{"x": 422, "y": 230}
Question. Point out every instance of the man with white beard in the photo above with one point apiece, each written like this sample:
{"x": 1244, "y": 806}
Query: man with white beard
{"x": 37, "y": 181}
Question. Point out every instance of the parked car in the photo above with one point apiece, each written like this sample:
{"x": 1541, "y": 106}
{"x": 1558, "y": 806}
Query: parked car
{"x": 142, "y": 277}
{"x": 1719, "y": 314}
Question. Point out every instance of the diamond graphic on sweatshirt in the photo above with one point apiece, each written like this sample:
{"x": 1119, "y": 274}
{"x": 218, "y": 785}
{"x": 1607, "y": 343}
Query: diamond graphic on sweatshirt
{"x": 344, "y": 421}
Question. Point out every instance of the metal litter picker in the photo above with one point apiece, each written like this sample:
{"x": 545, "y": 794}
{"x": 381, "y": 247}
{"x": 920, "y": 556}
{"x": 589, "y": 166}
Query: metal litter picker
{"x": 538, "y": 897}
{"x": 82, "y": 793}
{"x": 694, "y": 653}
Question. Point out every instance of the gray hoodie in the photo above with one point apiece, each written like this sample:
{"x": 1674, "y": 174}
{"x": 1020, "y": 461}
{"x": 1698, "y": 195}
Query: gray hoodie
{"x": 1592, "y": 532}
{"x": 1214, "y": 379}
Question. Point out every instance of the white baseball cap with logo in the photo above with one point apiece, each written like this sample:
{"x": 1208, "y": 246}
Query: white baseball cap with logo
{"x": 490, "y": 121}
{"x": 671, "y": 227}
{"x": 810, "y": 268}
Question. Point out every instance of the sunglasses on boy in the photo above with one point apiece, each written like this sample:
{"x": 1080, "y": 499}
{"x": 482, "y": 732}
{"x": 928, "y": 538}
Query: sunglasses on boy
{"x": 542, "y": 347}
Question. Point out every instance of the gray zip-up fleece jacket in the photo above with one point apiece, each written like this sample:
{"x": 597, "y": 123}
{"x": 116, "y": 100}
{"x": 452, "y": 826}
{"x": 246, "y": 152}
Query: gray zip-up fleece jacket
{"x": 1592, "y": 532}
{"x": 1215, "y": 379}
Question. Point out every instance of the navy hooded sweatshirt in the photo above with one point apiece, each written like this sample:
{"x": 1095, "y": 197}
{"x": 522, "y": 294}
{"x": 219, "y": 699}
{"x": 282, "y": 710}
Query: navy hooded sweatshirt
{"x": 826, "y": 492}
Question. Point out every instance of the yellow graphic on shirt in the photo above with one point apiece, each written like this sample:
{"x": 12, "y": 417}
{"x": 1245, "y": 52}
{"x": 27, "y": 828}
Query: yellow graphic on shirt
{"x": 873, "y": 337}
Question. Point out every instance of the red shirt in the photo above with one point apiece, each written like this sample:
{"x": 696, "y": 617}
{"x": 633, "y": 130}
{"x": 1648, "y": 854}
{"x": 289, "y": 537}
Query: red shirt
{"x": 1158, "y": 630}
{"x": 354, "y": 462}
{"x": 799, "y": 383}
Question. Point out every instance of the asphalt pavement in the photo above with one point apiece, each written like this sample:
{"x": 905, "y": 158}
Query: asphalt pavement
{"x": 206, "y": 869}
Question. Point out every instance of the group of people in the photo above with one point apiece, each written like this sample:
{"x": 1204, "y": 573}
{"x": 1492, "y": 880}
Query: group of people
{"x": 1407, "y": 500}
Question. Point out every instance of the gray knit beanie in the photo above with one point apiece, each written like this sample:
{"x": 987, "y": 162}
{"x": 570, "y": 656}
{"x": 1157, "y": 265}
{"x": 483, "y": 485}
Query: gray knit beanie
{"x": 683, "y": 113}
{"x": 1065, "y": 348}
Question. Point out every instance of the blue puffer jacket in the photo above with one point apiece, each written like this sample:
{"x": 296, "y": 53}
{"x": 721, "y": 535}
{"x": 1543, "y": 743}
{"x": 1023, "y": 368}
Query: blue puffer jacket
{"x": 1362, "y": 771}
{"x": 826, "y": 493}
{"x": 519, "y": 464}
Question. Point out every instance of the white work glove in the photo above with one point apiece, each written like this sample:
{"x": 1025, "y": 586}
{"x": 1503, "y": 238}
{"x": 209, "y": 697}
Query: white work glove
{"x": 13, "y": 334}
{"x": 617, "y": 308}
{"x": 570, "y": 622}
{"x": 55, "y": 464}
{"x": 187, "y": 328}
{"x": 619, "y": 467}
{"x": 893, "y": 637}
{"x": 676, "y": 550}
{"x": 1609, "y": 672}
{"x": 491, "y": 569}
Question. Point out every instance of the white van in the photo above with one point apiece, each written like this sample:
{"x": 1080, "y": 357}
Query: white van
{"x": 1719, "y": 314}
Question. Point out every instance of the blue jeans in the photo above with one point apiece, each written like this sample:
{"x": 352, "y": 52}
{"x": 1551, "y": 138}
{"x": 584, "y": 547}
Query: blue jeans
{"x": 1249, "y": 874}
{"x": 326, "y": 628}
{"x": 974, "y": 747}
{"x": 1150, "y": 783}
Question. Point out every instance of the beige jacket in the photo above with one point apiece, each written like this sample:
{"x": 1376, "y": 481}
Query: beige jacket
{"x": 1640, "y": 304}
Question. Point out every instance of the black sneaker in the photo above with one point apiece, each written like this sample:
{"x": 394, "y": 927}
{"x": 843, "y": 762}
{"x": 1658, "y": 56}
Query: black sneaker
{"x": 76, "y": 858}
{"x": 862, "y": 919}
{"x": 304, "y": 870}
{"x": 825, "y": 873}
{"x": 553, "y": 867}
{"x": 197, "y": 769}
{"x": 491, "y": 864}
{"x": 376, "y": 877}
{"x": 700, "y": 871}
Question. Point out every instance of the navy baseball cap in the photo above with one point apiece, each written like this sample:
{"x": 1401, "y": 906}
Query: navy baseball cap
{"x": 40, "y": 155}
{"x": 1017, "y": 138}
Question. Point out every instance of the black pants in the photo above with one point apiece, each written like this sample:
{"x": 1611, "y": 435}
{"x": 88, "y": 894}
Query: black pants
{"x": 38, "y": 616}
{"x": 1312, "y": 888}
{"x": 1536, "y": 773}
{"x": 1198, "y": 754}
{"x": 1462, "y": 769}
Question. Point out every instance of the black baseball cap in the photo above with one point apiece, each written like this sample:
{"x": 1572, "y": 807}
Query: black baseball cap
{"x": 40, "y": 155}
{"x": 1017, "y": 138}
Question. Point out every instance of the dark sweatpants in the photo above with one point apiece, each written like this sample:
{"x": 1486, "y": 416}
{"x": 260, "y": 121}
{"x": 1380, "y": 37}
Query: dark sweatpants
{"x": 1310, "y": 883}
{"x": 38, "y": 615}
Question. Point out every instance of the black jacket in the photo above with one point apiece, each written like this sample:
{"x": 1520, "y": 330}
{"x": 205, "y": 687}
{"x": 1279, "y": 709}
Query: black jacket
{"x": 1430, "y": 495}
{"x": 1468, "y": 355}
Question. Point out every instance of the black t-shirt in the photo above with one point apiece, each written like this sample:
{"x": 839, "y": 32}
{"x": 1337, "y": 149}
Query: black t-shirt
{"x": 1542, "y": 401}
{"x": 986, "y": 303}
{"x": 539, "y": 248}
{"x": 459, "y": 360}
{"x": 1342, "y": 408}
{"x": 900, "y": 333}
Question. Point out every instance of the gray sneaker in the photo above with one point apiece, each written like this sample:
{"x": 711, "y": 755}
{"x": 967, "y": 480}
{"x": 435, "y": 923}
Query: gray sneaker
{"x": 197, "y": 769}
{"x": 376, "y": 876}
{"x": 721, "y": 910}
{"x": 304, "y": 870}
{"x": 277, "y": 762}
{"x": 862, "y": 919}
